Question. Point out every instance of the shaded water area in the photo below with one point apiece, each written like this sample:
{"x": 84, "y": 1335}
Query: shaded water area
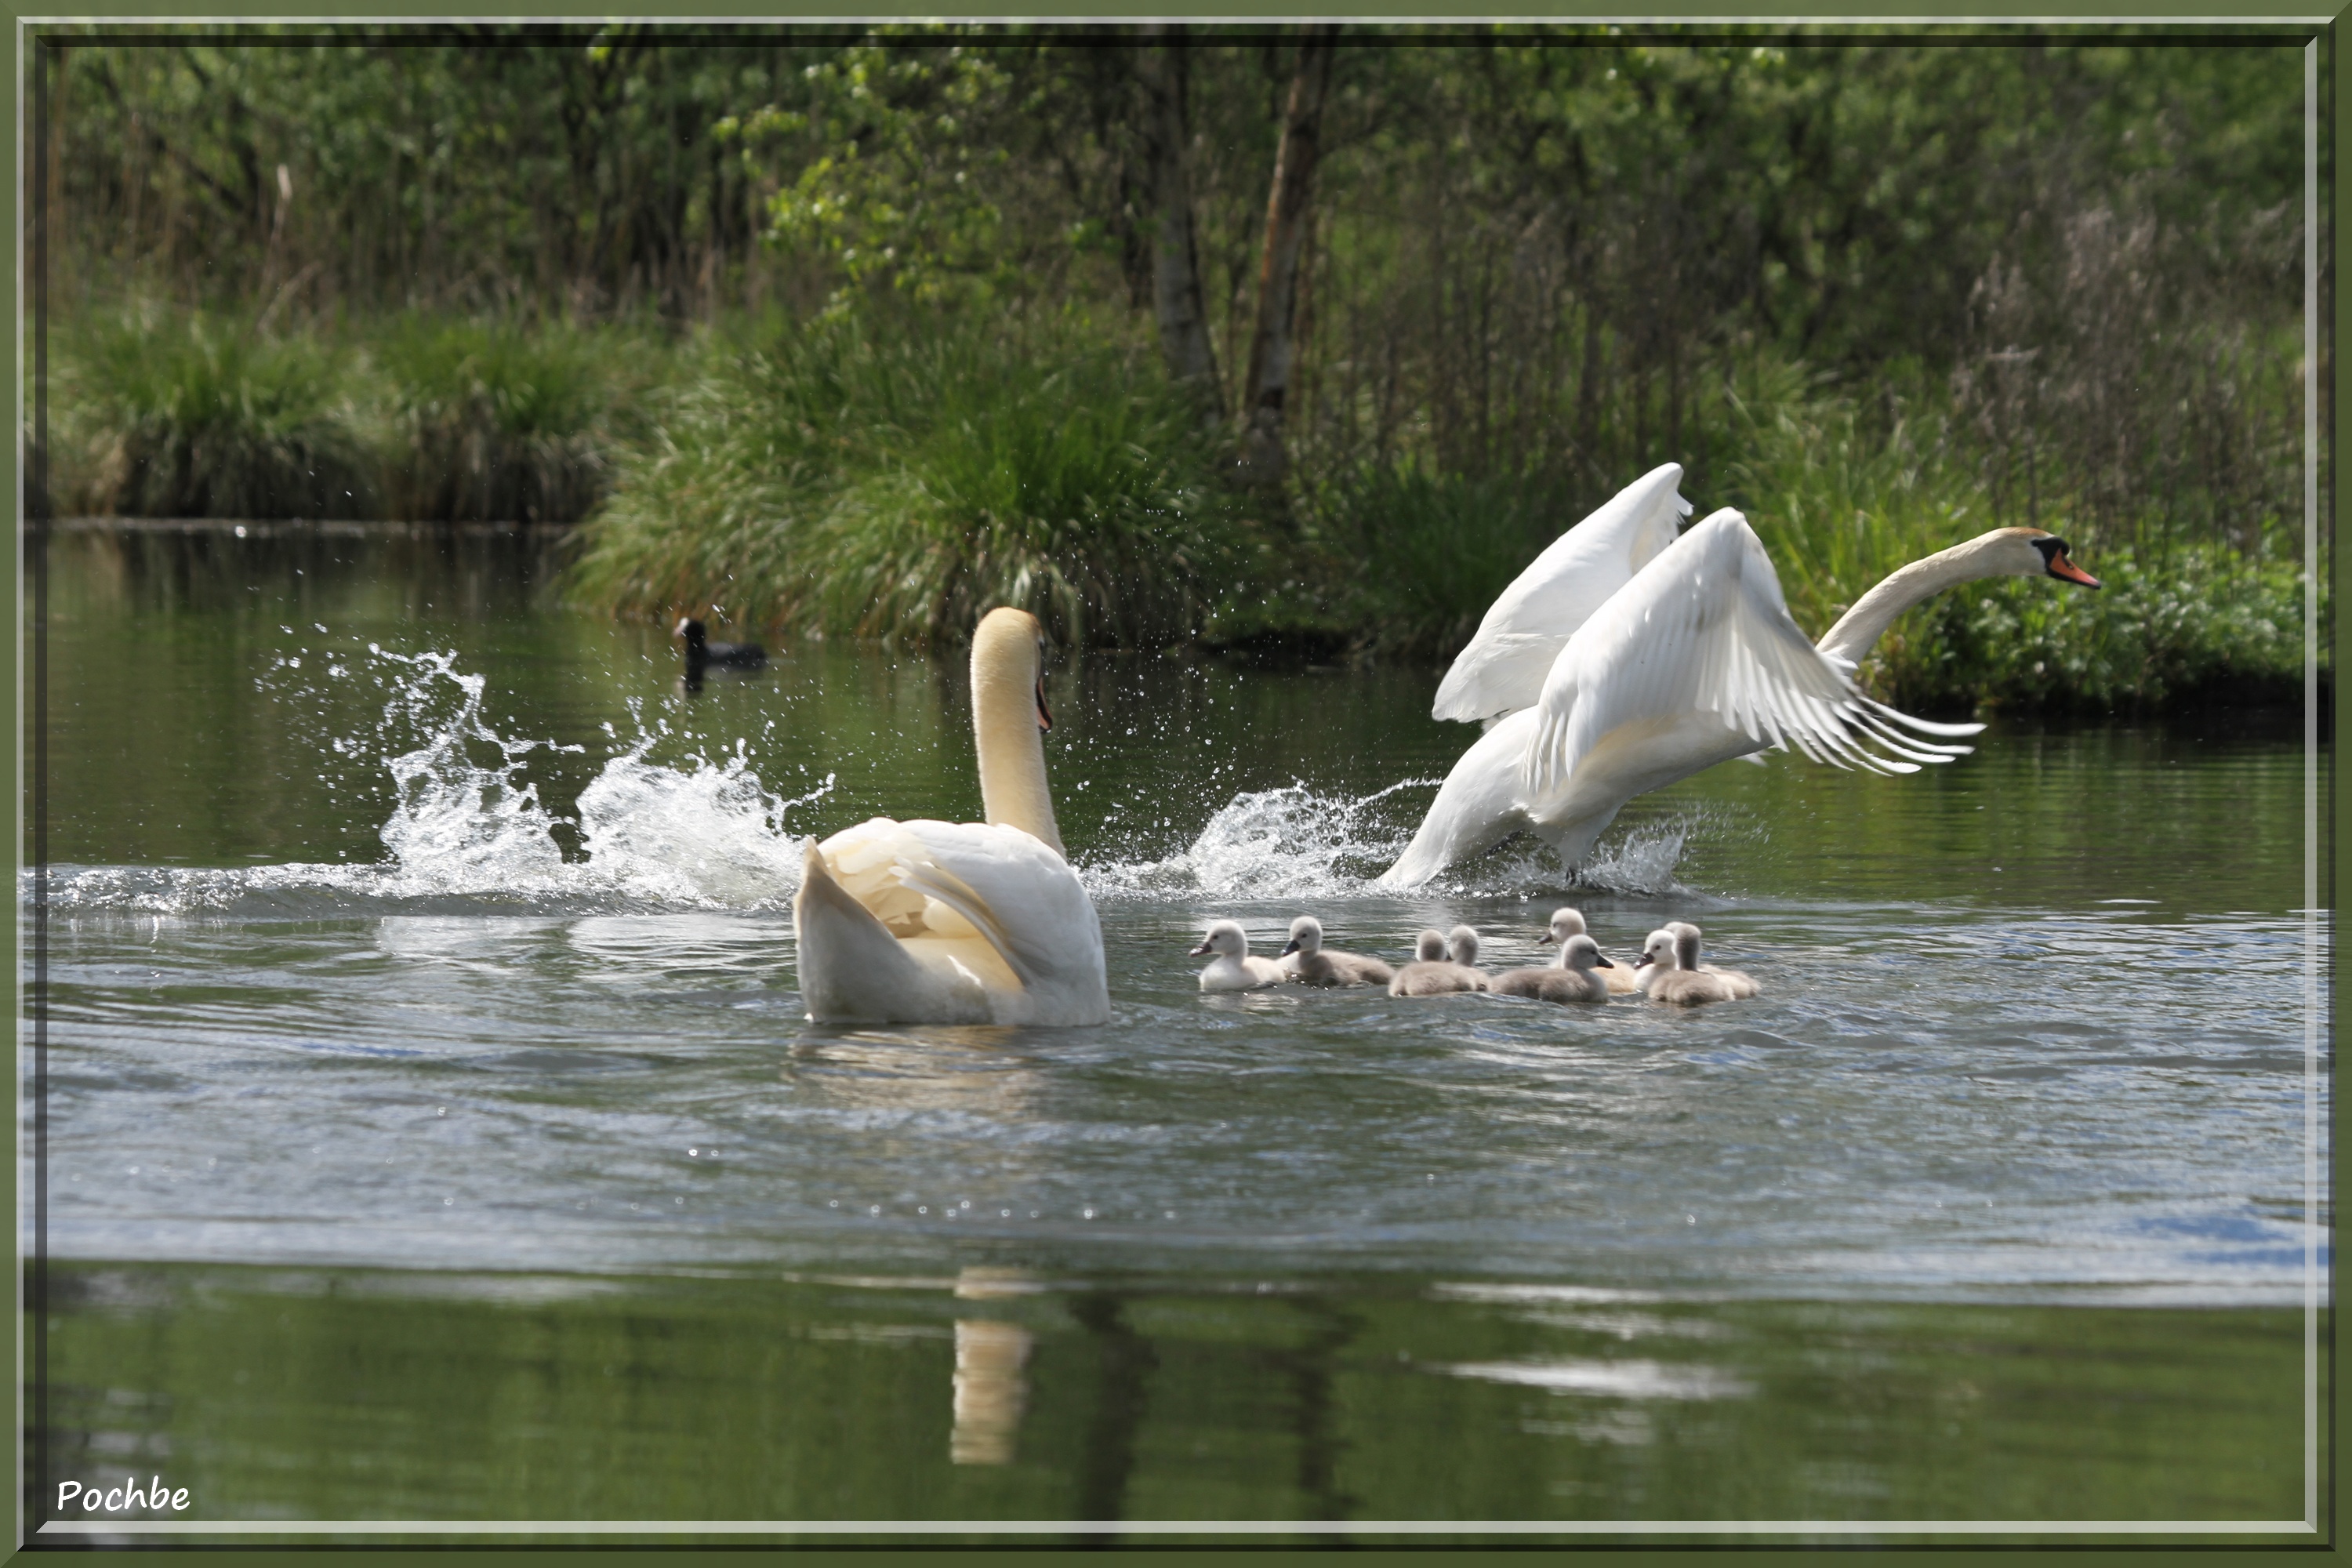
{"x": 434, "y": 1132}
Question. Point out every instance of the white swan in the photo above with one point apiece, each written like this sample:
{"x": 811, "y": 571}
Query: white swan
{"x": 1695, "y": 662}
{"x": 940, "y": 922}
{"x": 1235, "y": 968}
{"x": 1502, "y": 669}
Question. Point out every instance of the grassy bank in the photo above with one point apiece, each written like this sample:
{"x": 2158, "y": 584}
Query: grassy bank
{"x": 890, "y": 475}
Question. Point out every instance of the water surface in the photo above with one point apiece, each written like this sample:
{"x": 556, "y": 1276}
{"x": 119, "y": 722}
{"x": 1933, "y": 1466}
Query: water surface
{"x": 404, "y": 926}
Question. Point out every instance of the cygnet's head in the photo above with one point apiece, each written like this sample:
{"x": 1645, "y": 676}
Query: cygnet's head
{"x": 1429, "y": 947}
{"x": 1658, "y": 952}
{"x": 1685, "y": 942}
{"x": 1462, "y": 945}
{"x": 1306, "y": 935}
{"x": 1564, "y": 923}
{"x": 1226, "y": 938}
{"x": 1583, "y": 952}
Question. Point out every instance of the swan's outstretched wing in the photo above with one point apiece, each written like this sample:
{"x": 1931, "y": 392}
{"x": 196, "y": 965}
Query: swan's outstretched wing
{"x": 1502, "y": 669}
{"x": 1704, "y": 630}
{"x": 953, "y": 879}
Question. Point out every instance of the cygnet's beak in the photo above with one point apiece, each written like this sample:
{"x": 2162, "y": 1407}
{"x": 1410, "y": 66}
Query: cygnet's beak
{"x": 1639, "y": 961}
{"x": 1287, "y": 952}
{"x": 1603, "y": 961}
{"x": 1204, "y": 947}
{"x": 1544, "y": 935}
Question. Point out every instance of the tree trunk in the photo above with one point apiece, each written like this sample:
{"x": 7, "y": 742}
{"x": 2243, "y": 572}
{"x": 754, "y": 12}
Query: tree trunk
{"x": 1286, "y": 228}
{"x": 1176, "y": 299}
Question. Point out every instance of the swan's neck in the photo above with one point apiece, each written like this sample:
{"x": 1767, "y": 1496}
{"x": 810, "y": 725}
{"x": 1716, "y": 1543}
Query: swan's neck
{"x": 1005, "y": 732}
{"x": 1859, "y": 629}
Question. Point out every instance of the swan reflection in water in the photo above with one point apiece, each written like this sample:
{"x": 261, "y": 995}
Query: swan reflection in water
{"x": 990, "y": 1387}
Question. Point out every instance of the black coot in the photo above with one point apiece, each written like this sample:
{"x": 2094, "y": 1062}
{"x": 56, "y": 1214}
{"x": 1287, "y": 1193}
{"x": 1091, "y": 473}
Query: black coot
{"x": 702, "y": 653}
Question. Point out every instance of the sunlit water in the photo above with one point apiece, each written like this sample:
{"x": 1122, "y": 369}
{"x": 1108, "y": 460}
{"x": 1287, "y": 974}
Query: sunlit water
{"x": 386, "y": 931}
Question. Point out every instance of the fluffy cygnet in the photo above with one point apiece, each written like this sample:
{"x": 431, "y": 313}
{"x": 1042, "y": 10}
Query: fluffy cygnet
{"x": 1566, "y": 922}
{"x": 1664, "y": 978}
{"x": 1233, "y": 969}
{"x": 1309, "y": 962}
{"x": 1687, "y": 957}
{"x": 1434, "y": 974}
{"x": 1573, "y": 979}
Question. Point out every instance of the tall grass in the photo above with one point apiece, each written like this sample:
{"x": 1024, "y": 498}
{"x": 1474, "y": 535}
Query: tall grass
{"x": 159, "y": 415}
{"x": 498, "y": 421}
{"x": 894, "y": 479}
{"x": 164, "y": 413}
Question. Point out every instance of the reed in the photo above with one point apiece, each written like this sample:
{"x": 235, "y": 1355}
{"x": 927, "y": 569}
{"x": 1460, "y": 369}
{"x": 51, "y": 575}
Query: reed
{"x": 893, "y": 478}
{"x": 162, "y": 413}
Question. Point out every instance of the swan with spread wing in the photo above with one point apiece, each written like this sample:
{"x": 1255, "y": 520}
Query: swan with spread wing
{"x": 1695, "y": 661}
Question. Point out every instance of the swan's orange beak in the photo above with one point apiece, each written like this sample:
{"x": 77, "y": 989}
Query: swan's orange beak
{"x": 1045, "y": 716}
{"x": 2061, "y": 567}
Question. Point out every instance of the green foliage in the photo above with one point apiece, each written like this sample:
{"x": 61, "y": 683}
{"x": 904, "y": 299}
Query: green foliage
{"x": 896, "y": 476}
{"x": 495, "y": 421}
{"x": 164, "y": 415}
{"x": 894, "y": 186}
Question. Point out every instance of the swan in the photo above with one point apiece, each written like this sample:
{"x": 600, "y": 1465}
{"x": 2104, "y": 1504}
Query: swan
{"x": 1502, "y": 669}
{"x": 1309, "y": 962}
{"x": 1695, "y": 662}
{"x": 1233, "y": 969}
{"x": 1687, "y": 957}
{"x": 1573, "y": 979}
{"x": 1665, "y": 980}
{"x": 975, "y": 922}
{"x": 1567, "y": 922}
{"x": 1433, "y": 973}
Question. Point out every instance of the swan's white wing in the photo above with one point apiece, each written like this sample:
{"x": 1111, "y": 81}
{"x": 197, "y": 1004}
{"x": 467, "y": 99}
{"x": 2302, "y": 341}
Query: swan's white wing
{"x": 1704, "y": 630}
{"x": 1502, "y": 669}
{"x": 955, "y": 880}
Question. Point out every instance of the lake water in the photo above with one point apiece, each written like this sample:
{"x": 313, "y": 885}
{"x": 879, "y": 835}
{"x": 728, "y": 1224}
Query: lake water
{"x": 432, "y": 1131}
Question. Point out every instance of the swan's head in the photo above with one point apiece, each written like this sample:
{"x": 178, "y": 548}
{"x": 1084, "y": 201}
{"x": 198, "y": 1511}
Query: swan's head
{"x": 1008, "y": 648}
{"x": 1225, "y": 939}
{"x": 1462, "y": 945}
{"x": 1685, "y": 942}
{"x": 1306, "y": 935}
{"x": 1658, "y": 952}
{"x": 1429, "y": 947}
{"x": 2034, "y": 553}
{"x": 1583, "y": 952}
{"x": 1564, "y": 923}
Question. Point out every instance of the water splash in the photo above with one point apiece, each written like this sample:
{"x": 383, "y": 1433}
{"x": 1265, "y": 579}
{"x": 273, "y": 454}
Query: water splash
{"x": 467, "y": 824}
{"x": 1290, "y": 841}
{"x": 460, "y": 825}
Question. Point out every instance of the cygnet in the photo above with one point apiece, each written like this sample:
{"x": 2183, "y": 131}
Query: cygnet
{"x": 1664, "y": 978}
{"x": 1687, "y": 957}
{"x": 1233, "y": 969}
{"x": 1574, "y": 978}
{"x": 1567, "y": 922}
{"x": 1434, "y": 974}
{"x": 1309, "y": 962}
